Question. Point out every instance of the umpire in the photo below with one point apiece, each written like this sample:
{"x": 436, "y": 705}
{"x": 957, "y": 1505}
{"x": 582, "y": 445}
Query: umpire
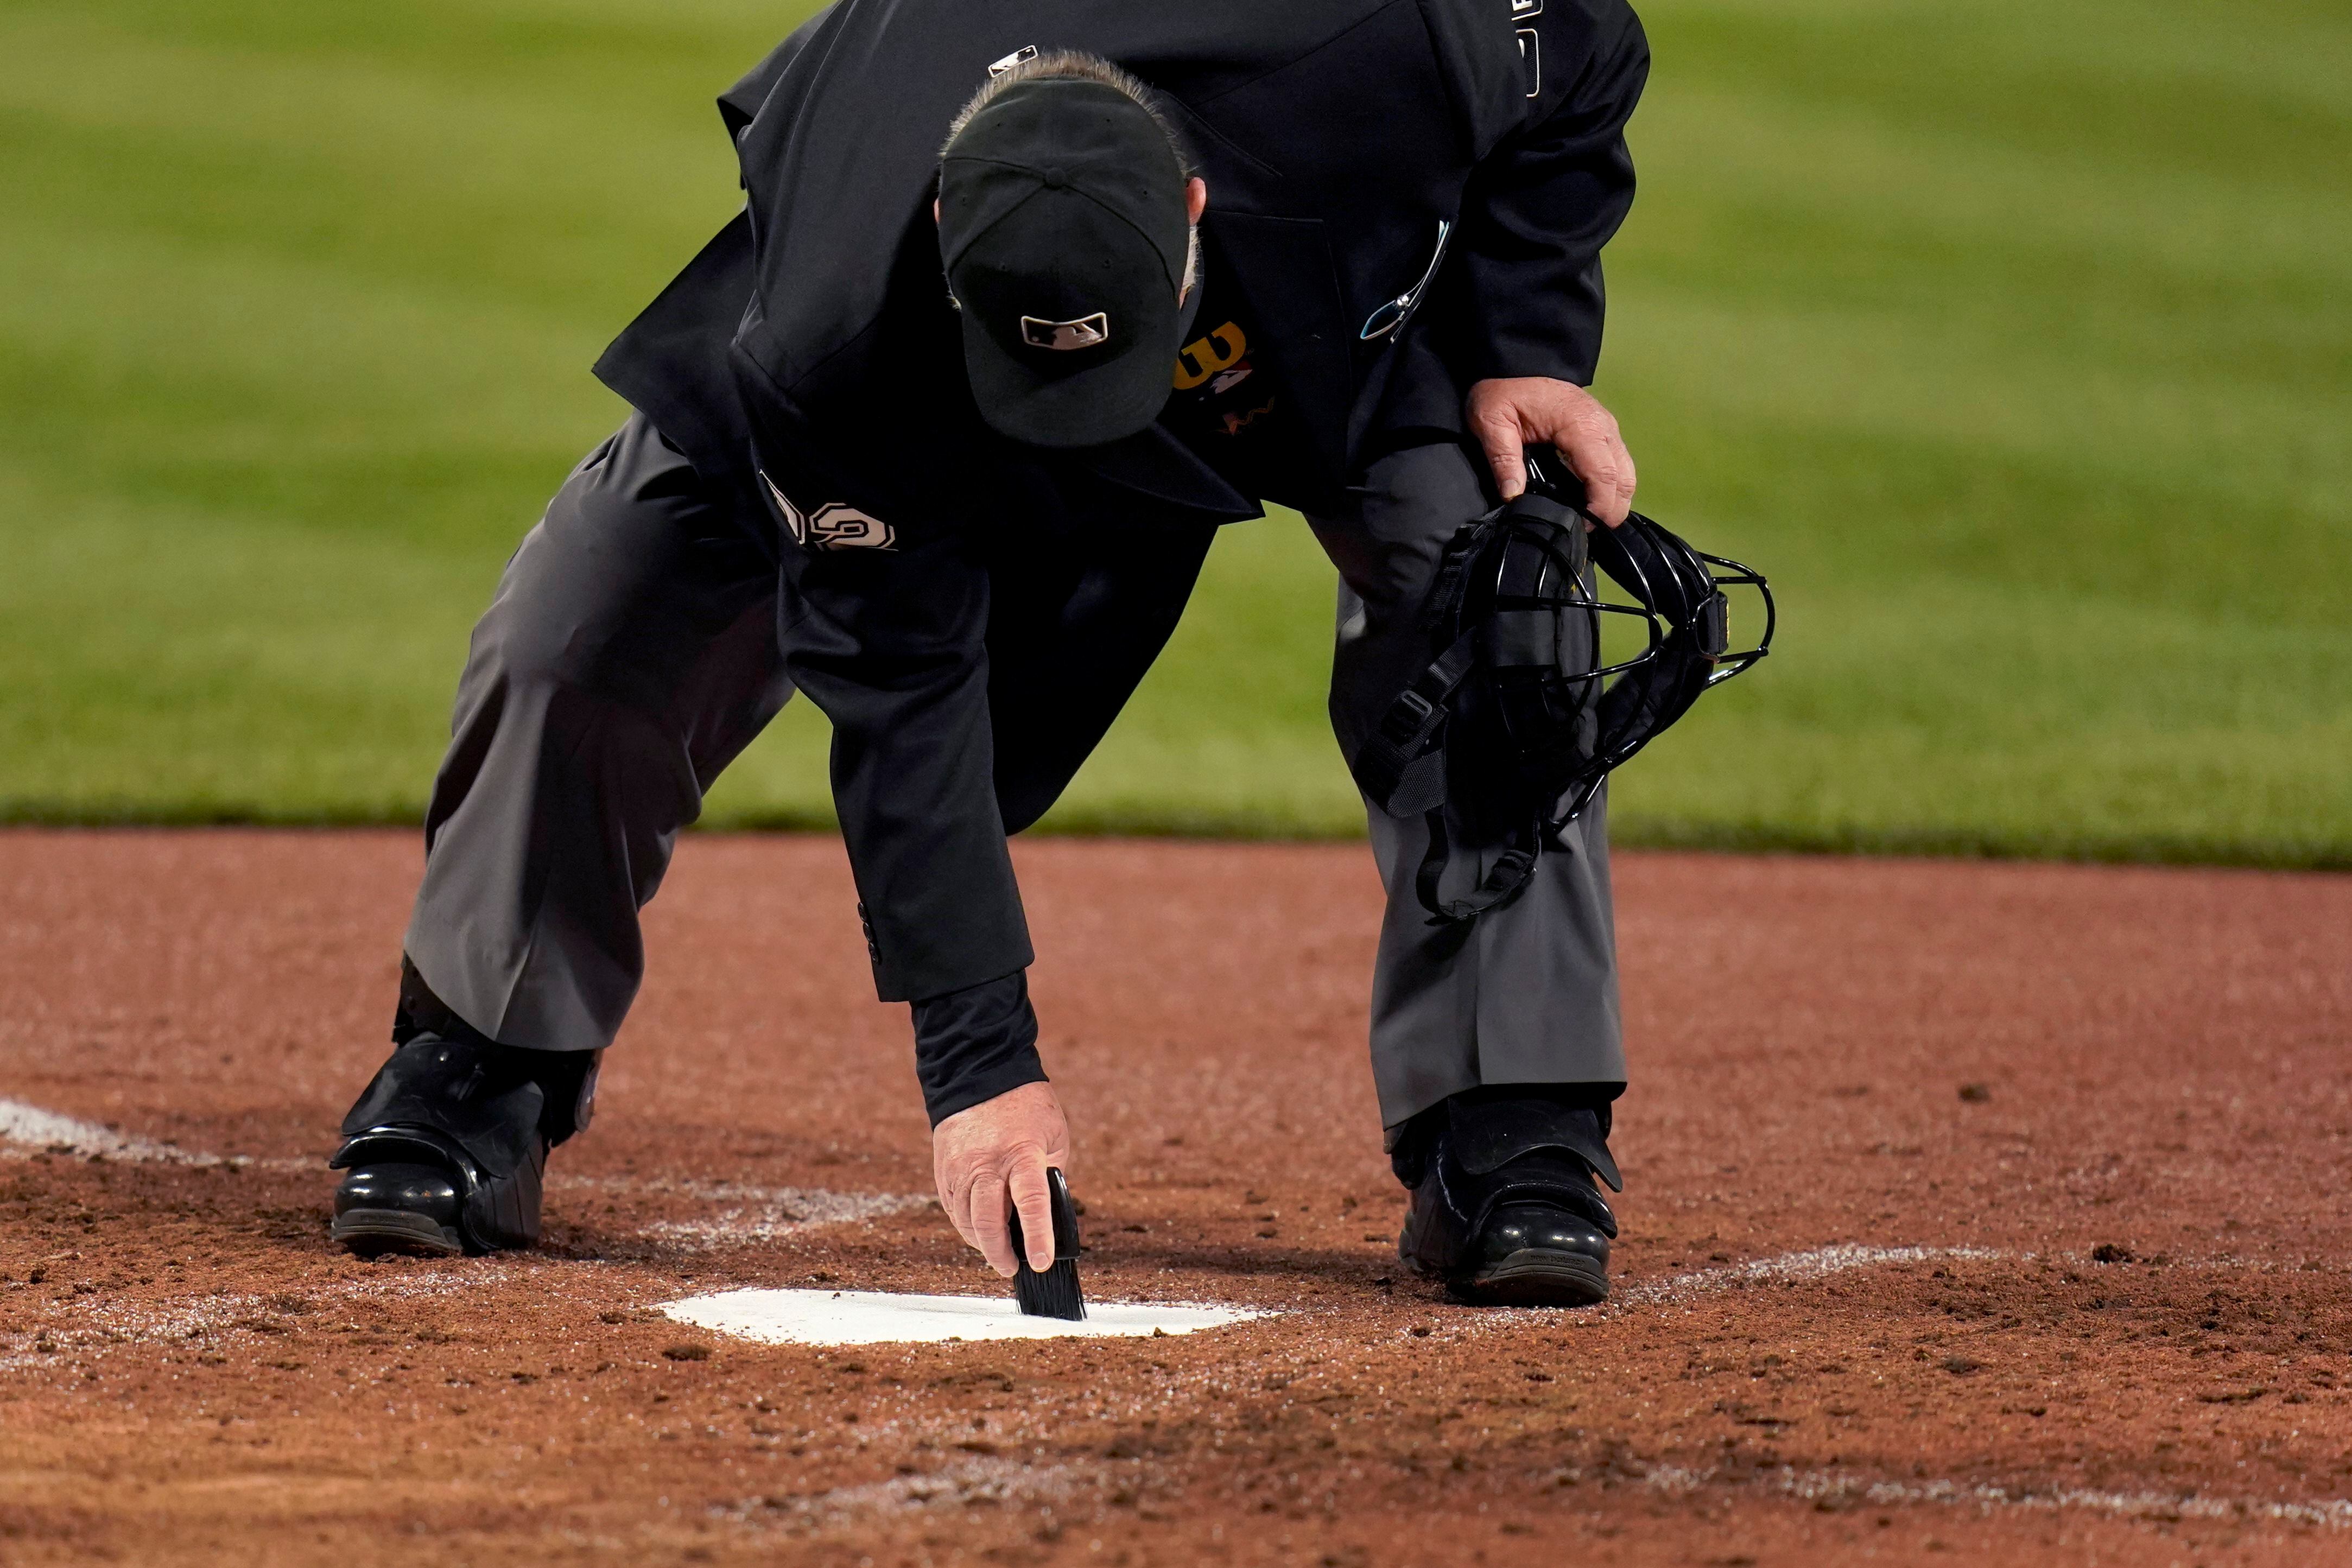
{"x": 1027, "y": 299}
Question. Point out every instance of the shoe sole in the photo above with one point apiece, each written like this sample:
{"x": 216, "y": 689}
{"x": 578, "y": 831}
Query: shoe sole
{"x": 371, "y": 1232}
{"x": 1538, "y": 1278}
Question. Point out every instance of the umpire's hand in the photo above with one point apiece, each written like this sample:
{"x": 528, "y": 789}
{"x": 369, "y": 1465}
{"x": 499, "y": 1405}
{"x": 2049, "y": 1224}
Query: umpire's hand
{"x": 994, "y": 1156}
{"x": 1510, "y": 414}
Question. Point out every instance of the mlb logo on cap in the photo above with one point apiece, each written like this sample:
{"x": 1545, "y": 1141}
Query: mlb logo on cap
{"x": 1085, "y": 332}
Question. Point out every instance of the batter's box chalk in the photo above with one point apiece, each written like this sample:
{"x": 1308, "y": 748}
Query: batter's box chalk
{"x": 880, "y": 1317}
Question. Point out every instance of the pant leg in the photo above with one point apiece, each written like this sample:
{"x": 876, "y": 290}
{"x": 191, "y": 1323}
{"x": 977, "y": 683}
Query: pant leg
{"x": 628, "y": 657}
{"x": 1523, "y": 994}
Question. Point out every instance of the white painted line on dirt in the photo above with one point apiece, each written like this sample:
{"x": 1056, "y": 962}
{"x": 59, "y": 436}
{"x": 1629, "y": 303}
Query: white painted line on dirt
{"x": 2335, "y": 1514}
{"x": 35, "y": 1131}
{"x": 970, "y": 1483}
{"x": 760, "y": 1213}
{"x": 1821, "y": 1263}
{"x": 712, "y": 1191}
{"x": 1828, "y": 1486}
{"x": 1814, "y": 1263}
{"x": 90, "y": 1327}
{"x": 879, "y": 1317}
{"x": 783, "y": 1211}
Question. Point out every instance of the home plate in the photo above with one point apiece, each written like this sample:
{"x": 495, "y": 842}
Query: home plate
{"x": 879, "y": 1317}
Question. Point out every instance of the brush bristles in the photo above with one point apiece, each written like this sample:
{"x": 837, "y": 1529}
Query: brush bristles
{"x": 1052, "y": 1294}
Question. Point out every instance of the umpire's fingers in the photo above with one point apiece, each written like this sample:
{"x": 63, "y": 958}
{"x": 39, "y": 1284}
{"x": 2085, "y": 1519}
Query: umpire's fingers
{"x": 1504, "y": 439}
{"x": 947, "y": 1176}
{"x": 1621, "y": 478}
{"x": 1593, "y": 452}
{"x": 1032, "y": 1196}
{"x": 1627, "y": 479}
{"x": 989, "y": 1232}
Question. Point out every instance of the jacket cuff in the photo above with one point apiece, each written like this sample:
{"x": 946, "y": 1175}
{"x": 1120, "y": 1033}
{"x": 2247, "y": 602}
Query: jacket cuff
{"x": 974, "y": 1044}
{"x": 1560, "y": 360}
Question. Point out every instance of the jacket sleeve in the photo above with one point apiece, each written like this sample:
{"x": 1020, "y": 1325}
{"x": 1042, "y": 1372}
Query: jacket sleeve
{"x": 891, "y": 644}
{"x": 1542, "y": 204}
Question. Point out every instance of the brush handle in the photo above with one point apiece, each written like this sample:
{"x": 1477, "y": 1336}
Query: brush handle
{"x": 1053, "y": 1293}
{"x": 1064, "y": 1216}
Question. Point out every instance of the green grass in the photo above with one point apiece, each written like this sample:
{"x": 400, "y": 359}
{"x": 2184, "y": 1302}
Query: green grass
{"x": 2014, "y": 340}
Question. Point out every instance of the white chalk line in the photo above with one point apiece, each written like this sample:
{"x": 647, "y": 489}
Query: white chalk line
{"x": 1813, "y": 1264}
{"x": 751, "y": 1214}
{"x": 754, "y": 1214}
{"x": 1628, "y": 1298}
{"x": 1822, "y": 1262}
{"x": 802, "y": 1209}
{"x": 98, "y": 1327}
{"x": 967, "y": 1483}
{"x": 1828, "y": 1486}
{"x": 998, "y": 1480}
{"x": 1002, "y": 1480}
{"x": 30, "y": 1130}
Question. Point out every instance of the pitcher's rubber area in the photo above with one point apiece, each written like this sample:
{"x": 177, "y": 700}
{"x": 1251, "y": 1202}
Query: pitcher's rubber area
{"x": 1991, "y": 1208}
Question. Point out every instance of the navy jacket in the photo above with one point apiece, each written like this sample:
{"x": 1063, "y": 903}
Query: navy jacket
{"x": 808, "y": 355}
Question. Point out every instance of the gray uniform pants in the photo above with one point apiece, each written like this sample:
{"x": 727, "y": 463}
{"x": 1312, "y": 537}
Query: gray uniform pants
{"x": 1525, "y": 993}
{"x": 630, "y": 653}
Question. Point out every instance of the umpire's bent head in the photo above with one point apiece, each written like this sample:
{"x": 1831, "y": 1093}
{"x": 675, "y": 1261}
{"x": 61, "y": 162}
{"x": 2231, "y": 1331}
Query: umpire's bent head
{"x": 1066, "y": 214}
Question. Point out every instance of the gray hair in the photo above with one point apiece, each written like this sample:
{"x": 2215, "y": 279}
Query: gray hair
{"x": 1071, "y": 64}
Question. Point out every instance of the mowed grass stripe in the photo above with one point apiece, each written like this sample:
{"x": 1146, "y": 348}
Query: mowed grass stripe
{"x": 2015, "y": 344}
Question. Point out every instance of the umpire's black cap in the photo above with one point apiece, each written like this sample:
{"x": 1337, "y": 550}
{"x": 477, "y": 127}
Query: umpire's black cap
{"x": 1063, "y": 230}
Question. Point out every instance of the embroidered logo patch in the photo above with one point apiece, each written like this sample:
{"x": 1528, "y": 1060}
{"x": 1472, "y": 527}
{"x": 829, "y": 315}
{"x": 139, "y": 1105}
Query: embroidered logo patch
{"x": 1085, "y": 332}
{"x": 1218, "y": 352}
{"x": 1020, "y": 56}
{"x": 836, "y": 524}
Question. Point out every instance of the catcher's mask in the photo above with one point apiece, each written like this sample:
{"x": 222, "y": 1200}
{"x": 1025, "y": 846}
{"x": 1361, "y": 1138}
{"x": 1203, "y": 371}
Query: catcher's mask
{"x": 1517, "y": 720}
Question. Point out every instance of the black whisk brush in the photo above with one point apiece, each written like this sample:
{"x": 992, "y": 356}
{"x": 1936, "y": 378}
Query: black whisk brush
{"x": 1053, "y": 1293}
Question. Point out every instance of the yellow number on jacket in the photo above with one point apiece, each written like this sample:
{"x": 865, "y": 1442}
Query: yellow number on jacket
{"x": 1205, "y": 357}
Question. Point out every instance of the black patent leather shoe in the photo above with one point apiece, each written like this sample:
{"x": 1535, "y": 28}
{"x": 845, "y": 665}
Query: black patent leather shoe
{"x": 1535, "y": 1254}
{"x": 416, "y": 1189}
{"x": 399, "y": 1208}
{"x": 1505, "y": 1209}
{"x": 446, "y": 1147}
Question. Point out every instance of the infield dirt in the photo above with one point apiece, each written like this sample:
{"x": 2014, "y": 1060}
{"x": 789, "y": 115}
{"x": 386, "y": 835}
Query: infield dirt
{"x": 1990, "y": 1209}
